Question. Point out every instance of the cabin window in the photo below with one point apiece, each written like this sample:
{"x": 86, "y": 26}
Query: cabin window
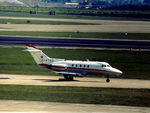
{"x": 80, "y": 65}
{"x": 88, "y": 66}
{"x": 72, "y": 65}
{"x": 76, "y": 65}
{"x": 84, "y": 66}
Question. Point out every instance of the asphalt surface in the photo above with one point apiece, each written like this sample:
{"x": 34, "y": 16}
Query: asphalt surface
{"x": 78, "y": 82}
{"x": 64, "y": 42}
{"x": 7, "y": 106}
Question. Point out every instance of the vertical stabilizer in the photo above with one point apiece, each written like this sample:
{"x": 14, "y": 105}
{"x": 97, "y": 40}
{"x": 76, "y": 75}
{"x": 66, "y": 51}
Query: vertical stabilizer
{"x": 38, "y": 55}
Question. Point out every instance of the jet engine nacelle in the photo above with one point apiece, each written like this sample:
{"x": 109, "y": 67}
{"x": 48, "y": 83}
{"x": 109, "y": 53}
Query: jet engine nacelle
{"x": 58, "y": 67}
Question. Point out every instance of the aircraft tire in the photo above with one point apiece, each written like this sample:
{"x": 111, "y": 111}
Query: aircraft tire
{"x": 71, "y": 78}
{"x": 107, "y": 80}
{"x": 68, "y": 77}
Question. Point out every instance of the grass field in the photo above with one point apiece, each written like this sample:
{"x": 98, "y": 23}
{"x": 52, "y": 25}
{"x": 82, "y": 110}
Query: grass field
{"x": 73, "y": 12}
{"x": 109, "y": 96}
{"x": 13, "y": 21}
{"x": 45, "y": 15}
{"x": 134, "y": 36}
{"x": 22, "y": 14}
{"x": 134, "y": 64}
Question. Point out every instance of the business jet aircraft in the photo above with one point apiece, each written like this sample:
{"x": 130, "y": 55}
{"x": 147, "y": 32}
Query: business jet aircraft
{"x": 69, "y": 68}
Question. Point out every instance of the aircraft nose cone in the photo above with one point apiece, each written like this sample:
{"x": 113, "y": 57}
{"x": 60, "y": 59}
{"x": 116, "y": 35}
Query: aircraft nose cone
{"x": 118, "y": 72}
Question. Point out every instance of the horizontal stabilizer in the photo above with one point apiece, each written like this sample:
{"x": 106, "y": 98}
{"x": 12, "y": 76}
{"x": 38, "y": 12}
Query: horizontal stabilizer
{"x": 30, "y": 45}
{"x": 31, "y": 50}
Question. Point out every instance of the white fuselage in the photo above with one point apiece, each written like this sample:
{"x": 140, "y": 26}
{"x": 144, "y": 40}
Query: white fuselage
{"x": 84, "y": 67}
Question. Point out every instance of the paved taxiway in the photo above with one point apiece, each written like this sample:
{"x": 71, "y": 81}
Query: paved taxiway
{"x": 51, "y": 107}
{"x": 84, "y": 82}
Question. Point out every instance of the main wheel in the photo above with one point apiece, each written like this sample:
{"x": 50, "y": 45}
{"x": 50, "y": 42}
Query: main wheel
{"x": 107, "y": 80}
{"x": 71, "y": 78}
{"x": 68, "y": 77}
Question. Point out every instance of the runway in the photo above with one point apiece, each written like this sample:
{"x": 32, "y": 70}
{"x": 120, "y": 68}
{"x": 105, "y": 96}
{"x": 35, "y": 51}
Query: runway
{"x": 68, "y": 42}
{"x": 7, "y": 106}
{"x": 79, "y": 82}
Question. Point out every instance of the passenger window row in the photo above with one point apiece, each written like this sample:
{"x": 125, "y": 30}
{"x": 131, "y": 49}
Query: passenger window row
{"x": 80, "y": 65}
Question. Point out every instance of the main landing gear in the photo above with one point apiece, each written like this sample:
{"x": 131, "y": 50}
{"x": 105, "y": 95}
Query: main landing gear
{"x": 68, "y": 77}
{"x": 107, "y": 80}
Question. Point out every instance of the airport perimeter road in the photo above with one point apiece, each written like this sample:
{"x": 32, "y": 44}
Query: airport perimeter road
{"x": 66, "y": 42}
{"x": 83, "y": 82}
{"x": 52, "y": 107}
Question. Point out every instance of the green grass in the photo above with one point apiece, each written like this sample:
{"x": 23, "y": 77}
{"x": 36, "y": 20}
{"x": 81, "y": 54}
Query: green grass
{"x": 18, "y": 21}
{"x": 72, "y": 12}
{"x": 134, "y": 64}
{"x": 109, "y": 96}
{"x": 22, "y": 14}
{"x": 134, "y": 36}
{"x": 8, "y": 13}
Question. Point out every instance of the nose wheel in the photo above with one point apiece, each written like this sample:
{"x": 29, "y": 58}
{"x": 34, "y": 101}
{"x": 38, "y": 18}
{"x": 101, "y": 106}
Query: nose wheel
{"x": 107, "y": 80}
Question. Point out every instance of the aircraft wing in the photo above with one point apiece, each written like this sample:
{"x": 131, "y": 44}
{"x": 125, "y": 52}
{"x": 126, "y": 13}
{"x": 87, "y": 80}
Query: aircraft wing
{"x": 70, "y": 73}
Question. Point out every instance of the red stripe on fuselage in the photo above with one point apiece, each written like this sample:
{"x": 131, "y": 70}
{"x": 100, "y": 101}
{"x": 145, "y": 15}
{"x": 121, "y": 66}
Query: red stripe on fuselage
{"x": 44, "y": 65}
{"x": 88, "y": 69}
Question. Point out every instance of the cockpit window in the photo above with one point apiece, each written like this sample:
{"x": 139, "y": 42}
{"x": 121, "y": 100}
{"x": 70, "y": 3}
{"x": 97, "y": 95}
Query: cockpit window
{"x": 105, "y": 65}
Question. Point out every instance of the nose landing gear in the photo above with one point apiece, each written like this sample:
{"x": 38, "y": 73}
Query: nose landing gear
{"x": 107, "y": 80}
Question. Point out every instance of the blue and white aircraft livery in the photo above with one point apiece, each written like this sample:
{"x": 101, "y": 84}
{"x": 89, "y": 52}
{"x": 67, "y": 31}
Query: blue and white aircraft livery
{"x": 69, "y": 68}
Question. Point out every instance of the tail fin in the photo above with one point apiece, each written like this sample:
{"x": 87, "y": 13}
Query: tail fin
{"x": 38, "y": 55}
